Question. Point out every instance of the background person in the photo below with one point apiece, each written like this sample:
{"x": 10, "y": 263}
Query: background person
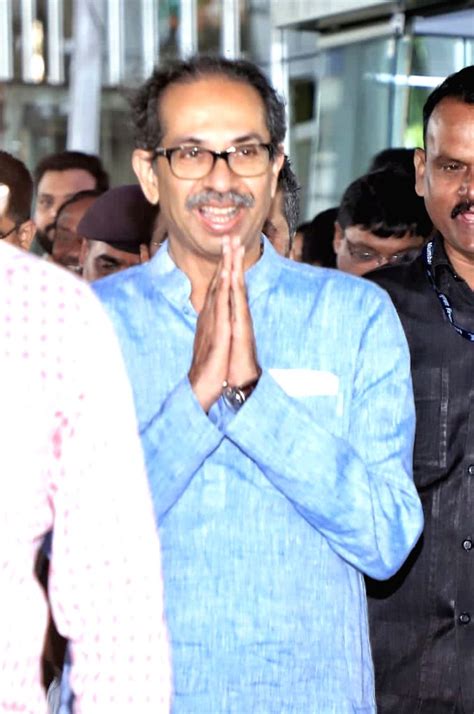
{"x": 71, "y": 462}
{"x": 113, "y": 231}
{"x": 282, "y": 220}
{"x": 422, "y": 619}
{"x": 16, "y": 226}
{"x": 395, "y": 159}
{"x": 67, "y": 242}
{"x": 381, "y": 220}
{"x": 57, "y": 178}
{"x": 316, "y": 240}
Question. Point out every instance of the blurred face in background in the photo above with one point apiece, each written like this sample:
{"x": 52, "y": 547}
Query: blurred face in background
{"x": 66, "y": 241}
{"x": 359, "y": 251}
{"x": 18, "y": 234}
{"x": 99, "y": 259}
{"x": 54, "y": 189}
{"x": 276, "y": 227}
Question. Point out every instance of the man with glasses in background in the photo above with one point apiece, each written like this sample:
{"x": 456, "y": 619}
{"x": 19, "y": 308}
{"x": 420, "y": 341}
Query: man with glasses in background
{"x": 279, "y": 463}
{"x": 67, "y": 241}
{"x": 16, "y": 226}
{"x": 381, "y": 221}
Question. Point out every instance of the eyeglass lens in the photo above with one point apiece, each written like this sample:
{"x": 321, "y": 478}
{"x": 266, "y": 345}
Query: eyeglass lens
{"x": 196, "y": 162}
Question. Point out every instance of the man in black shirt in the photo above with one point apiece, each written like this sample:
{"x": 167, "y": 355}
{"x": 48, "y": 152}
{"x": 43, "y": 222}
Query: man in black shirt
{"x": 422, "y": 620}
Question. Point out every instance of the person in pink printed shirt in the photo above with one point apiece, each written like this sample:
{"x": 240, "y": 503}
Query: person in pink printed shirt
{"x": 70, "y": 461}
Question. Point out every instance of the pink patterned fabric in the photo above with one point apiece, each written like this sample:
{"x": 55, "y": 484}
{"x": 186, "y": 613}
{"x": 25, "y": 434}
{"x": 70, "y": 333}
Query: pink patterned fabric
{"x": 70, "y": 459}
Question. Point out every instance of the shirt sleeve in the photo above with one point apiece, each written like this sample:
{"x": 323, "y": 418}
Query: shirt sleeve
{"x": 105, "y": 579}
{"x": 357, "y": 491}
{"x": 180, "y": 421}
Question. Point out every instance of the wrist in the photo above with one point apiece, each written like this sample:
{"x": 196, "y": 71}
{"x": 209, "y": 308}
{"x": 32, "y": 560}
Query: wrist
{"x": 235, "y": 396}
{"x": 205, "y": 393}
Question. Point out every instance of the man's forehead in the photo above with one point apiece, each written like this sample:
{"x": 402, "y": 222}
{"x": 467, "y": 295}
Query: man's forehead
{"x": 361, "y": 236}
{"x": 100, "y": 249}
{"x": 74, "y": 212}
{"x": 452, "y": 120}
{"x": 66, "y": 183}
{"x": 210, "y": 105}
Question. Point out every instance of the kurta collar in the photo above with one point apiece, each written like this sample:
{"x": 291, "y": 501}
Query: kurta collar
{"x": 176, "y": 287}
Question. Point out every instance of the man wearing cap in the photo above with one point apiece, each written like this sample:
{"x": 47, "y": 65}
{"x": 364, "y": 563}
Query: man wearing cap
{"x": 113, "y": 230}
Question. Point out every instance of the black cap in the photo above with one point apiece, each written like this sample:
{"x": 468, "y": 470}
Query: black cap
{"x": 121, "y": 217}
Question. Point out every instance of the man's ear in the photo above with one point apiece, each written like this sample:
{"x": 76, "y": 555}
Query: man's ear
{"x": 26, "y": 233}
{"x": 419, "y": 159}
{"x": 338, "y": 237}
{"x": 83, "y": 252}
{"x": 143, "y": 168}
{"x": 276, "y": 168}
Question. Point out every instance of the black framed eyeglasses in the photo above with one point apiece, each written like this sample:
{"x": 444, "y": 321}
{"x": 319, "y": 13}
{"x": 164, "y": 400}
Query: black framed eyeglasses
{"x": 8, "y": 233}
{"x": 196, "y": 162}
{"x": 362, "y": 255}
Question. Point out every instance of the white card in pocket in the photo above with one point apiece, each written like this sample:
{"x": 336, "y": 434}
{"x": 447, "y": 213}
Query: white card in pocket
{"x": 306, "y": 382}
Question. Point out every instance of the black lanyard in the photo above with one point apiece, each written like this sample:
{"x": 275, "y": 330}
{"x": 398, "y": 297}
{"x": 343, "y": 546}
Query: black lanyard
{"x": 445, "y": 304}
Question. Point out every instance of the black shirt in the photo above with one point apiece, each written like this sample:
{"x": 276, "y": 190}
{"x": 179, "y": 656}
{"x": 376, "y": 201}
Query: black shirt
{"x": 422, "y": 619}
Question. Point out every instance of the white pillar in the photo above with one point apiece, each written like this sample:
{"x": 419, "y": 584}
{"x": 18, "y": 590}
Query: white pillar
{"x": 6, "y": 40}
{"x": 83, "y": 131}
{"x": 230, "y": 29}
{"x": 187, "y": 31}
{"x": 279, "y": 73}
{"x": 150, "y": 36}
{"x": 55, "y": 41}
{"x": 115, "y": 42}
{"x": 28, "y": 15}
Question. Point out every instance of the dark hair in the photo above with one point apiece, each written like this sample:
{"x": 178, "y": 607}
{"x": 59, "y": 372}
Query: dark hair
{"x": 318, "y": 236}
{"x": 146, "y": 102}
{"x": 386, "y": 204}
{"x": 75, "y": 198}
{"x": 459, "y": 85}
{"x": 397, "y": 159}
{"x": 16, "y": 176}
{"x": 290, "y": 188}
{"x": 66, "y": 160}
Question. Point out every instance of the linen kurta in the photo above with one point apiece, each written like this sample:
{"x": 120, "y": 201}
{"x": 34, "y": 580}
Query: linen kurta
{"x": 269, "y": 517}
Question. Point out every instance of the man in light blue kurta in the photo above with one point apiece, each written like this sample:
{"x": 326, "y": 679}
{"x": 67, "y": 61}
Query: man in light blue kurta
{"x": 273, "y": 501}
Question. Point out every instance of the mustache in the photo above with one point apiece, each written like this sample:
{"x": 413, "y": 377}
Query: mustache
{"x": 463, "y": 207}
{"x": 233, "y": 197}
